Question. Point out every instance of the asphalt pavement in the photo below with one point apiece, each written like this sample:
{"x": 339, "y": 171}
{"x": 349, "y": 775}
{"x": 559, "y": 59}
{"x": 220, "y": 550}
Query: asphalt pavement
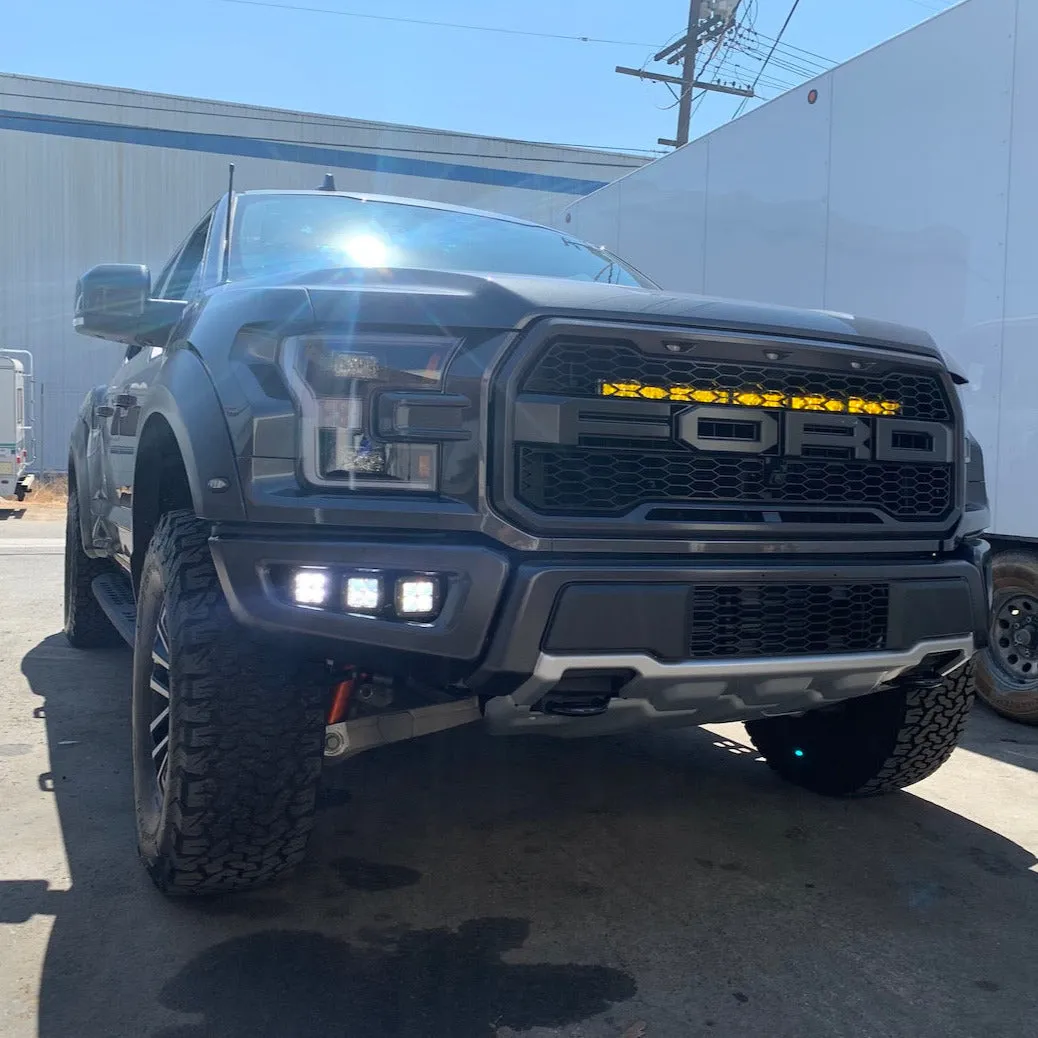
{"x": 464, "y": 887}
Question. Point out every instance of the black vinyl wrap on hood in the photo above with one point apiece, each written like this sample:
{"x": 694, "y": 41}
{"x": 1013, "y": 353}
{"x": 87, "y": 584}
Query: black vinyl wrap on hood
{"x": 498, "y": 301}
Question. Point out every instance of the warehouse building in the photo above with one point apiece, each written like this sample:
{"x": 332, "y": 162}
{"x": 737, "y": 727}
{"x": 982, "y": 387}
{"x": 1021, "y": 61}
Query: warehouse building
{"x": 94, "y": 174}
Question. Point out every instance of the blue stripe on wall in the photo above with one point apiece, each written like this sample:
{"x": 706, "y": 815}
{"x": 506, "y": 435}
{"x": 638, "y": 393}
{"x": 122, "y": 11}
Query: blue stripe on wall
{"x": 308, "y": 154}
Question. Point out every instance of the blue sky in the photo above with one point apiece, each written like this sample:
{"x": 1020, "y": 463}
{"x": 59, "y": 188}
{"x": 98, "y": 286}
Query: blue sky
{"x": 478, "y": 82}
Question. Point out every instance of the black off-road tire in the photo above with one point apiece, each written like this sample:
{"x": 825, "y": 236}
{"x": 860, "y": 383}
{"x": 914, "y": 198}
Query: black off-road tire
{"x": 872, "y": 745}
{"x": 1012, "y": 695}
{"x": 245, "y": 730}
{"x": 86, "y": 626}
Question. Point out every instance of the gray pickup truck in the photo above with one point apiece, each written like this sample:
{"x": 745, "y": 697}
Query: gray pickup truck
{"x": 374, "y": 467}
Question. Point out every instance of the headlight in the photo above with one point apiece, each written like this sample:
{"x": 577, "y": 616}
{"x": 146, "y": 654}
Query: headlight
{"x": 337, "y": 382}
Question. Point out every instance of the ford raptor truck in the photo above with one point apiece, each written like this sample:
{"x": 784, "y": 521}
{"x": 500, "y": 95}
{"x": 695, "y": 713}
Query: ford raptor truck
{"x": 372, "y": 468}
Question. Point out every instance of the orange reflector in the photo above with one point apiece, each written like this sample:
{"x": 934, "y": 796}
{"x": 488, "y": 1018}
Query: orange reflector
{"x": 340, "y": 701}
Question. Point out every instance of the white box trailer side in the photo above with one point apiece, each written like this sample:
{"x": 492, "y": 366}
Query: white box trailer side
{"x": 15, "y": 428}
{"x": 894, "y": 195}
{"x": 900, "y": 185}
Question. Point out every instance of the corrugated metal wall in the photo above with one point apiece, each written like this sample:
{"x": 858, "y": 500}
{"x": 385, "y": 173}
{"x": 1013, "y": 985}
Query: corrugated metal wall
{"x": 94, "y": 174}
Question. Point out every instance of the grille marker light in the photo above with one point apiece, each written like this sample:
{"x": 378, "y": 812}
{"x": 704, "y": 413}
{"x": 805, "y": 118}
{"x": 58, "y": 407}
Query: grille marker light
{"x": 749, "y": 398}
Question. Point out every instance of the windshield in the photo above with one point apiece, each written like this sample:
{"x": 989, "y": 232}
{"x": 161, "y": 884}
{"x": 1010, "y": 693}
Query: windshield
{"x": 279, "y": 233}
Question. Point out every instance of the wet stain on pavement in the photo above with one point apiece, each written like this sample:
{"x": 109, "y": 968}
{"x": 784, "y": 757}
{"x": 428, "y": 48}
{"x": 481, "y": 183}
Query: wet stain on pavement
{"x": 996, "y": 864}
{"x": 424, "y": 983}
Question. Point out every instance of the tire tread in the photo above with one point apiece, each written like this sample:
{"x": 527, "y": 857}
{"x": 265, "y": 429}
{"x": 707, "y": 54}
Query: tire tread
{"x": 247, "y": 732}
{"x": 86, "y": 625}
{"x": 870, "y": 746}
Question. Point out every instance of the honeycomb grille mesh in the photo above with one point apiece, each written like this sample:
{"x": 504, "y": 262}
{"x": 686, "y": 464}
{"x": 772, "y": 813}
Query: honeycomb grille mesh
{"x": 605, "y": 481}
{"x": 575, "y": 368}
{"x": 787, "y": 619}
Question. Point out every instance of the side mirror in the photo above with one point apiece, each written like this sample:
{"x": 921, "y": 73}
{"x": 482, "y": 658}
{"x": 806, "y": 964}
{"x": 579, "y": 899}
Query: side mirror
{"x": 111, "y": 300}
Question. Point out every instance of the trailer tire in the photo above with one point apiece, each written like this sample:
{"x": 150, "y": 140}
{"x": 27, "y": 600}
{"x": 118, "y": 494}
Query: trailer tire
{"x": 228, "y": 803}
{"x": 1007, "y": 680}
{"x": 86, "y": 626}
{"x": 869, "y": 746}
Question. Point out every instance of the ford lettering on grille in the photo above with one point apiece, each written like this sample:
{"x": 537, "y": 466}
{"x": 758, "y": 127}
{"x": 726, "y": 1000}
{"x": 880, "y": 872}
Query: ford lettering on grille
{"x": 607, "y": 430}
{"x": 805, "y": 434}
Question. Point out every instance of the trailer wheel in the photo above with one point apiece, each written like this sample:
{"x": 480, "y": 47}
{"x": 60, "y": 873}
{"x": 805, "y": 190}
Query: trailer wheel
{"x": 1006, "y": 672}
{"x": 876, "y": 744}
{"x": 228, "y": 729}
{"x": 86, "y": 626}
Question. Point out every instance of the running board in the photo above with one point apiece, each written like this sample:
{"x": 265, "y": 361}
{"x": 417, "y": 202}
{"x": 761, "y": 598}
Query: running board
{"x": 115, "y": 596}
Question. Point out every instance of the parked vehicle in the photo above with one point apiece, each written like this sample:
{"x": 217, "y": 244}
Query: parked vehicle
{"x": 17, "y": 446}
{"x": 874, "y": 190}
{"x": 374, "y": 467}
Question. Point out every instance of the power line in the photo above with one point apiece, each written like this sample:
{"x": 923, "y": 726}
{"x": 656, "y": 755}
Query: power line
{"x": 790, "y": 46}
{"x": 778, "y": 40}
{"x": 735, "y": 71}
{"x": 788, "y": 66}
{"x": 434, "y": 23}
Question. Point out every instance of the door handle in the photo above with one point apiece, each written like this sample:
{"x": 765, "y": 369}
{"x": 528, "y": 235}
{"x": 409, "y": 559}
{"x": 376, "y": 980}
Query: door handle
{"x": 125, "y": 401}
{"x": 104, "y": 411}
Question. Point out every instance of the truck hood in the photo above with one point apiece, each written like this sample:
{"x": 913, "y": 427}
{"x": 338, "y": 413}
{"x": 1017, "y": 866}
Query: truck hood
{"x": 504, "y": 302}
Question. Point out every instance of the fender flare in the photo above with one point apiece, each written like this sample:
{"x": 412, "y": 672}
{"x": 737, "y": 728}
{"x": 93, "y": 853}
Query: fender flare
{"x": 80, "y": 464}
{"x": 183, "y": 395}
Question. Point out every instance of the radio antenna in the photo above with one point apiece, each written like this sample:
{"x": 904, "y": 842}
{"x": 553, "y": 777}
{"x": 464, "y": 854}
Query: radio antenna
{"x": 225, "y": 274}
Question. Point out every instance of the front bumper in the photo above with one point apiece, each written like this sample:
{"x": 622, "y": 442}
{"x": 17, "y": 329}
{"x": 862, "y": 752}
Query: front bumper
{"x": 674, "y": 695}
{"x": 514, "y": 630}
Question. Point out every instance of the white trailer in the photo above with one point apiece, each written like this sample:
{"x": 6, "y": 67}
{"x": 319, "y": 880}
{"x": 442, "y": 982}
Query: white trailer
{"x": 16, "y": 442}
{"x": 901, "y": 185}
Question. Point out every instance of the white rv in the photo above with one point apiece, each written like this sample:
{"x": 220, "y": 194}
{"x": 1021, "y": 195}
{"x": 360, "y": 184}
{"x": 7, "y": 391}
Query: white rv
{"x": 15, "y": 426}
{"x": 900, "y": 185}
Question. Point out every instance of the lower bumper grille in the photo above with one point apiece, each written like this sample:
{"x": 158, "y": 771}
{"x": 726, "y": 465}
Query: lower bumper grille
{"x": 589, "y": 481}
{"x": 730, "y": 620}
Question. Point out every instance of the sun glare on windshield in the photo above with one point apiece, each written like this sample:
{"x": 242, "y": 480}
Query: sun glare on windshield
{"x": 364, "y": 250}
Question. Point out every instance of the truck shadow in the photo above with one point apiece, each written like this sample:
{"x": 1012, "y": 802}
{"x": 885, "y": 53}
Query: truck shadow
{"x": 465, "y": 887}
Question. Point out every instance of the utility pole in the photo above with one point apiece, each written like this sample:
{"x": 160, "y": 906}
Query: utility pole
{"x": 688, "y": 71}
{"x": 707, "y": 20}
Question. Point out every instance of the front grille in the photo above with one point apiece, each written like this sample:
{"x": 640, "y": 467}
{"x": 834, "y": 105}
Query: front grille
{"x": 604, "y": 481}
{"x": 574, "y": 367}
{"x": 786, "y": 619}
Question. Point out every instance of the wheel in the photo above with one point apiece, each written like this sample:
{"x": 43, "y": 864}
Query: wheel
{"x": 1006, "y": 673}
{"x": 877, "y": 744}
{"x": 86, "y": 626}
{"x": 228, "y": 730}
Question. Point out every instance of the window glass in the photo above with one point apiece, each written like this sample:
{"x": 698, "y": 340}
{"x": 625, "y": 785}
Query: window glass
{"x": 159, "y": 285}
{"x": 184, "y": 279}
{"x": 277, "y": 233}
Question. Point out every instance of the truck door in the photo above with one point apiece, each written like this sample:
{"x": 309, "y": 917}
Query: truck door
{"x": 181, "y": 279}
{"x": 122, "y": 410}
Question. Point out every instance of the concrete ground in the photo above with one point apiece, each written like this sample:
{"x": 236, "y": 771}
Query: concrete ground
{"x": 463, "y": 887}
